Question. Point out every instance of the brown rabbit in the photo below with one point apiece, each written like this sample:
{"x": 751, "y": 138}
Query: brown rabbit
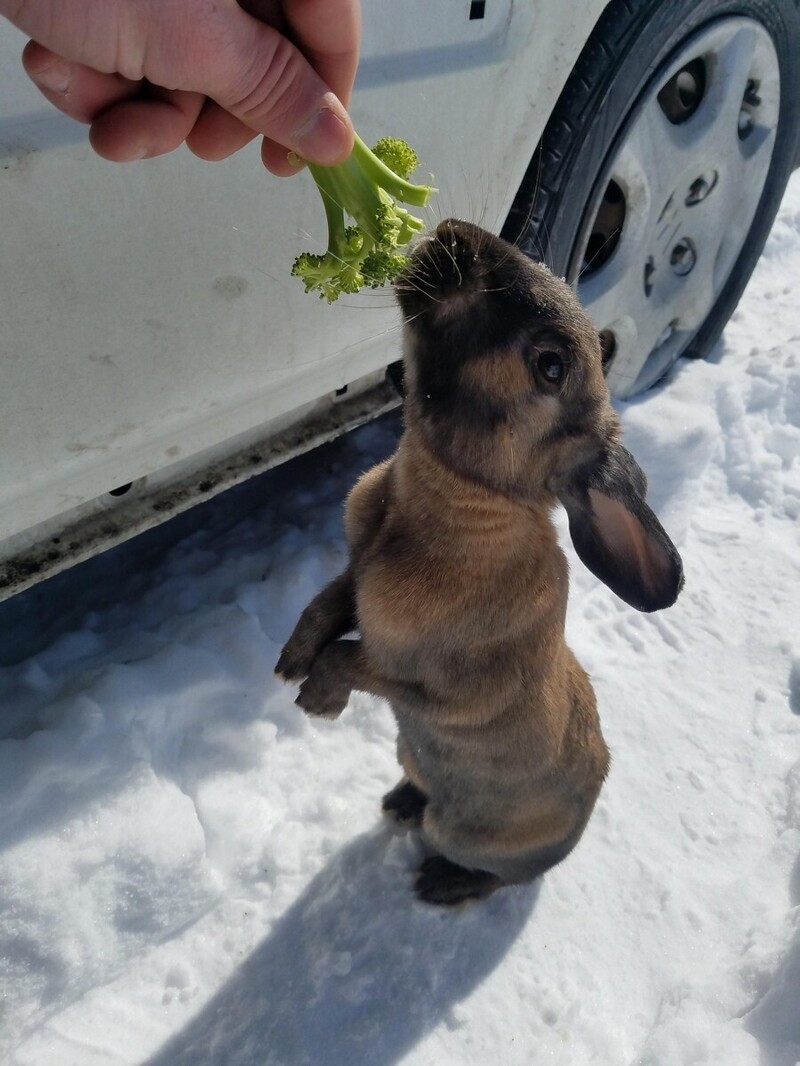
{"x": 456, "y": 582}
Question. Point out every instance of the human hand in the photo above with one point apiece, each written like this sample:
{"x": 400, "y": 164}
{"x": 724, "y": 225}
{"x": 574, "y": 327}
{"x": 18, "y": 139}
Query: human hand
{"x": 148, "y": 75}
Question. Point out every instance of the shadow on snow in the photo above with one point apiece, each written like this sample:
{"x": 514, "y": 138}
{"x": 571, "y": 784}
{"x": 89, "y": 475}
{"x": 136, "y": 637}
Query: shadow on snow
{"x": 356, "y": 972}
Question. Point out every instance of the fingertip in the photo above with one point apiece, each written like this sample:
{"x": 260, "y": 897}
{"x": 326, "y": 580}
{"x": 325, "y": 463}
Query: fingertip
{"x": 280, "y": 160}
{"x": 327, "y": 136}
{"x": 143, "y": 129}
{"x": 35, "y": 58}
{"x": 116, "y": 145}
{"x": 326, "y": 139}
{"x": 217, "y": 134}
{"x": 50, "y": 73}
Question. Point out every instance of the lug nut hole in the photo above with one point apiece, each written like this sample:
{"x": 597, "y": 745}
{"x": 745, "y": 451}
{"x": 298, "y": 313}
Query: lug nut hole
{"x": 683, "y": 257}
{"x": 649, "y": 271}
{"x": 751, "y": 102}
{"x": 684, "y": 92}
{"x": 606, "y": 229}
{"x": 702, "y": 185}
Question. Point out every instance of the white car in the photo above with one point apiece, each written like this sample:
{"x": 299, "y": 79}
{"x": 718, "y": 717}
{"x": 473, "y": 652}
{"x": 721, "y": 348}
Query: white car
{"x": 154, "y": 349}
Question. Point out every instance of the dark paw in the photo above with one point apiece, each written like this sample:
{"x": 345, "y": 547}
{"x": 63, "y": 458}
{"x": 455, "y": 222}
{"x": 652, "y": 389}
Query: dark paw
{"x": 320, "y": 701}
{"x": 326, "y": 690}
{"x": 295, "y": 661}
{"x": 405, "y": 804}
{"x": 447, "y": 884}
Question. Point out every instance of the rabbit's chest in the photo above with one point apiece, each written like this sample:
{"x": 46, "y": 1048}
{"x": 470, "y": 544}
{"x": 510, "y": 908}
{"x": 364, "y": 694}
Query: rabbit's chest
{"x": 404, "y": 603}
{"x": 437, "y": 605}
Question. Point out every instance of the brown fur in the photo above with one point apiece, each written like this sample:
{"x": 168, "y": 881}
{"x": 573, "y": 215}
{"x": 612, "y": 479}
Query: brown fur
{"x": 456, "y": 582}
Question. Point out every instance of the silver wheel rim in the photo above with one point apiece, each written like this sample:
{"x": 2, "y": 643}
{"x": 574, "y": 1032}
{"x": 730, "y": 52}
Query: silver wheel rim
{"x": 677, "y": 199}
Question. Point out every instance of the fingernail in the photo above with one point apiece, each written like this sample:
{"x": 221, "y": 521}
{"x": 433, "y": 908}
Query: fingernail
{"x": 325, "y": 138}
{"x": 56, "y": 76}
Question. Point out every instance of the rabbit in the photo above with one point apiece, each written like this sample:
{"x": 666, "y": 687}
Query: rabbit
{"x": 456, "y": 582}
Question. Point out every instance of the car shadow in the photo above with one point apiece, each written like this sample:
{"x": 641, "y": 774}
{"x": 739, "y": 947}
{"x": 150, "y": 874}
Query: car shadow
{"x": 357, "y": 971}
{"x": 36, "y": 131}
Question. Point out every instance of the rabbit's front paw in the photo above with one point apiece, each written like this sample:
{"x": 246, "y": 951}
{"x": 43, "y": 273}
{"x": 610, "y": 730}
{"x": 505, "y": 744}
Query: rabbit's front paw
{"x": 325, "y": 692}
{"x": 296, "y": 658}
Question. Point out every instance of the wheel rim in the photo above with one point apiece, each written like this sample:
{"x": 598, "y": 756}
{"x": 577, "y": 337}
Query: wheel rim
{"x": 676, "y": 201}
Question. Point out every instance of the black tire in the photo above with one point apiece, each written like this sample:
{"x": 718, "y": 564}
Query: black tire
{"x": 633, "y": 41}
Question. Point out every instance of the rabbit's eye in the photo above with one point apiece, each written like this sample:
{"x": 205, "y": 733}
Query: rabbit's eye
{"x": 550, "y": 365}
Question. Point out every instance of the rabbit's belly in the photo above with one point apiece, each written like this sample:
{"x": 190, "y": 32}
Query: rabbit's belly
{"x": 461, "y": 770}
{"x": 504, "y": 814}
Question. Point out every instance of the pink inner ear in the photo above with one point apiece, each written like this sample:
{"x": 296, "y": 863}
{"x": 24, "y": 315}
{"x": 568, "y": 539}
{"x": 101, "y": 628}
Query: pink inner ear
{"x": 626, "y": 539}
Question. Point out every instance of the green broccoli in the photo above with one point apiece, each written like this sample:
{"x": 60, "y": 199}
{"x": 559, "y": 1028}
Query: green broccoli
{"x": 366, "y": 188}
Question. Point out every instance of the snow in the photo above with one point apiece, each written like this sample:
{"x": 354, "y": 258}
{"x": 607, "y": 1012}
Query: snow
{"x": 192, "y": 872}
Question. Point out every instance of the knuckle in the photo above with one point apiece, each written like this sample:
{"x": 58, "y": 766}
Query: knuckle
{"x": 272, "y": 92}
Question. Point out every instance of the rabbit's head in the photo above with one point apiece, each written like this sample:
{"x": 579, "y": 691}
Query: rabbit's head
{"x": 504, "y": 381}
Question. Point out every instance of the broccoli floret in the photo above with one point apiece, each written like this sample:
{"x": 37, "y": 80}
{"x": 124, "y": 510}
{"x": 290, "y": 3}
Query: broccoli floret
{"x": 397, "y": 155}
{"x": 381, "y": 266}
{"x": 365, "y": 188}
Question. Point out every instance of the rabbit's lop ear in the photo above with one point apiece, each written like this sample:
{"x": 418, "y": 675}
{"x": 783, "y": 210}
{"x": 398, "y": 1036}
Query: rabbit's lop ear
{"x": 616, "y": 534}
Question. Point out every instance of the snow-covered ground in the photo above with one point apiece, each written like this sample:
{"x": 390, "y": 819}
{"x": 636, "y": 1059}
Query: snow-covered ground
{"x": 193, "y": 873}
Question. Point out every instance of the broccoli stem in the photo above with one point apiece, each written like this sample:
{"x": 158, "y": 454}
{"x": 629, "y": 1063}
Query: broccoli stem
{"x": 337, "y": 237}
{"x": 380, "y": 174}
{"x": 345, "y": 187}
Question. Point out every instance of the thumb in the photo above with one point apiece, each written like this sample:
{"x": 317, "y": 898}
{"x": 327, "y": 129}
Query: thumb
{"x": 265, "y": 82}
